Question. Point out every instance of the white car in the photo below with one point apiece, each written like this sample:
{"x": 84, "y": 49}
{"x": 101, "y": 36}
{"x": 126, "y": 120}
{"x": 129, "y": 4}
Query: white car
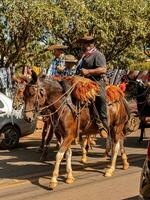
{"x": 12, "y": 124}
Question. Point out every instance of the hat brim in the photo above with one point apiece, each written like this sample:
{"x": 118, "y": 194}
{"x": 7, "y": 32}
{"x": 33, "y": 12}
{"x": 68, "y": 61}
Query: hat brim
{"x": 86, "y": 39}
{"x": 57, "y": 46}
{"x": 71, "y": 61}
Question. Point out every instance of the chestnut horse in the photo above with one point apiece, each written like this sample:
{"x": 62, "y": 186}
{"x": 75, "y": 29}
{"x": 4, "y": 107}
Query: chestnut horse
{"x": 48, "y": 94}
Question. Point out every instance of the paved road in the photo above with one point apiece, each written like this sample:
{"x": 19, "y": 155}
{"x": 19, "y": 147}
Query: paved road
{"x": 23, "y": 176}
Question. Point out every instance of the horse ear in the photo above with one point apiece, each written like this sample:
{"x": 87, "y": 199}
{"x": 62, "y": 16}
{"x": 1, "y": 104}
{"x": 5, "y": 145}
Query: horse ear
{"x": 34, "y": 77}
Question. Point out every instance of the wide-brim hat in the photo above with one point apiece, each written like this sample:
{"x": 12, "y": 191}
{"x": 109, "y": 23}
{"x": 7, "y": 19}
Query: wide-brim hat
{"x": 70, "y": 59}
{"x": 57, "y": 46}
{"x": 86, "y": 39}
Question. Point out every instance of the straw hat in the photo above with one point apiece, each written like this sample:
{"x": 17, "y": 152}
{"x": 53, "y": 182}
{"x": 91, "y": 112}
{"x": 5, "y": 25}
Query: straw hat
{"x": 87, "y": 38}
{"x": 70, "y": 59}
{"x": 57, "y": 46}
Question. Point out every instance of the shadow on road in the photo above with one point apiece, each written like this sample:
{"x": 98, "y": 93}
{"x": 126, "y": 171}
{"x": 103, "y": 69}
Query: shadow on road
{"x": 23, "y": 163}
{"x": 132, "y": 198}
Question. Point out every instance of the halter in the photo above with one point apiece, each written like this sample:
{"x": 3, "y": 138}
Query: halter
{"x": 36, "y": 107}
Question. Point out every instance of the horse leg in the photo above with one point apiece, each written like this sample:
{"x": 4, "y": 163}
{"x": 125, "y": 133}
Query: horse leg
{"x": 115, "y": 149}
{"x": 142, "y": 132}
{"x": 48, "y": 139}
{"x": 70, "y": 178}
{"x": 116, "y": 136}
{"x": 123, "y": 155}
{"x": 59, "y": 139}
{"x": 59, "y": 156}
{"x": 84, "y": 152}
{"x": 108, "y": 147}
{"x": 44, "y": 133}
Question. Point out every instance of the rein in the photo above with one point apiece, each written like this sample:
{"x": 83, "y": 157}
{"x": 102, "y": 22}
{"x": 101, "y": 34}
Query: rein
{"x": 68, "y": 92}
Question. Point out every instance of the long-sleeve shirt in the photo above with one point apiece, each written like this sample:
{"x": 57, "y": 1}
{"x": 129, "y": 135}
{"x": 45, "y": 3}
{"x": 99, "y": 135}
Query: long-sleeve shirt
{"x": 52, "y": 71}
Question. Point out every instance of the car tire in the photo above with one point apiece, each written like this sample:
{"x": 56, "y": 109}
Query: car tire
{"x": 10, "y": 137}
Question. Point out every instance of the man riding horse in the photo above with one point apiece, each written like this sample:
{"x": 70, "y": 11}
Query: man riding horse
{"x": 93, "y": 66}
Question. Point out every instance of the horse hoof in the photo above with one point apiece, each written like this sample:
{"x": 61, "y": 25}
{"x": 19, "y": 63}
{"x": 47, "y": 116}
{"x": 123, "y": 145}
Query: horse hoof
{"x": 70, "y": 180}
{"x": 52, "y": 185}
{"x": 108, "y": 173}
{"x": 84, "y": 160}
{"x": 126, "y": 166}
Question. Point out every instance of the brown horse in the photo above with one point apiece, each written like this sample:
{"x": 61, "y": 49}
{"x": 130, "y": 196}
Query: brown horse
{"x": 50, "y": 93}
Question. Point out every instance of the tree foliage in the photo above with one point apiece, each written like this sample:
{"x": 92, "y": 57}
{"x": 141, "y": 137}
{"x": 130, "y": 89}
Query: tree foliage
{"x": 121, "y": 28}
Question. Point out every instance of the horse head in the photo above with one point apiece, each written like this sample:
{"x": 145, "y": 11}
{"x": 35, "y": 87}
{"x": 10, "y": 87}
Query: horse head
{"x": 34, "y": 97}
{"x": 135, "y": 88}
{"x": 18, "y": 101}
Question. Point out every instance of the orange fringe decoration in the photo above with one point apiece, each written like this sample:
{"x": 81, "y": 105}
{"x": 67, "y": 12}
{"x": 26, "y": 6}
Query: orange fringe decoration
{"x": 114, "y": 93}
{"x": 85, "y": 89}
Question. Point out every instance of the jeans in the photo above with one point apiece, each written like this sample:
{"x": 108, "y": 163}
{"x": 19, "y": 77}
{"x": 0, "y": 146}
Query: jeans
{"x": 101, "y": 103}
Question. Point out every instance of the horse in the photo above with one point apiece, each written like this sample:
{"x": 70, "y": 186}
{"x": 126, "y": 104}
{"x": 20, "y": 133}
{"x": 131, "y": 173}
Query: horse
{"x": 141, "y": 93}
{"x": 66, "y": 121}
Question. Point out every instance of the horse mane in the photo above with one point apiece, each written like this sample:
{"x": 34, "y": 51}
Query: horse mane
{"x": 84, "y": 88}
{"x": 114, "y": 93}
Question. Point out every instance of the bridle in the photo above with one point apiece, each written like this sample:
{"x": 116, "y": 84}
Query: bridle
{"x": 37, "y": 104}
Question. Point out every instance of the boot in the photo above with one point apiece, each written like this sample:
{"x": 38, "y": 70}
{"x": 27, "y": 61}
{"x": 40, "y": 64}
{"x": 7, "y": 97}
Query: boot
{"x": 102, "y": 127}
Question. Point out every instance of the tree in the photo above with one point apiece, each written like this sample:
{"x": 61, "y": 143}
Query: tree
{"x": 22, "y": 24}
{"x": 119, "y": 27}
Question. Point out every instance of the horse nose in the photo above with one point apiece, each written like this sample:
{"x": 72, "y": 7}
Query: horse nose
{"x": 29, "y": 119}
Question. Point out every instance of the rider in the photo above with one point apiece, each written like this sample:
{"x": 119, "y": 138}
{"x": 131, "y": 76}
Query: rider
{"x": 70, "y": 65}
{"x": 57, "y": 65}
{"x": 93, "y": 66}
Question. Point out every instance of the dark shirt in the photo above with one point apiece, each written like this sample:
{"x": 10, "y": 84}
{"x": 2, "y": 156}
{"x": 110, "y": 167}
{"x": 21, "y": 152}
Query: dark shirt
{"x": 93, "y": 61}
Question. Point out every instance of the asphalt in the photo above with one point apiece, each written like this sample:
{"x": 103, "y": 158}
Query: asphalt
{"x": 23, "y": 176}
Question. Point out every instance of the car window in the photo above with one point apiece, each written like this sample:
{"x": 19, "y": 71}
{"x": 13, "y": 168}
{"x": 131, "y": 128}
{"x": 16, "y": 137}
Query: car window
{"x": 1, "y": 104}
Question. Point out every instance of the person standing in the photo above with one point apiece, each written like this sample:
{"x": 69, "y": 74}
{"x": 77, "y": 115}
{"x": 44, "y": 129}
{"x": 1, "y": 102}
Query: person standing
{"x": 93, "y": 66}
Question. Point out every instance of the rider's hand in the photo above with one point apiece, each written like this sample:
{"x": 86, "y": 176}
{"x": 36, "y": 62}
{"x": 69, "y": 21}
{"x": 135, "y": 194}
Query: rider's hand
{"x": 85, "y": 72}
{"x": 60, "y": 68}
